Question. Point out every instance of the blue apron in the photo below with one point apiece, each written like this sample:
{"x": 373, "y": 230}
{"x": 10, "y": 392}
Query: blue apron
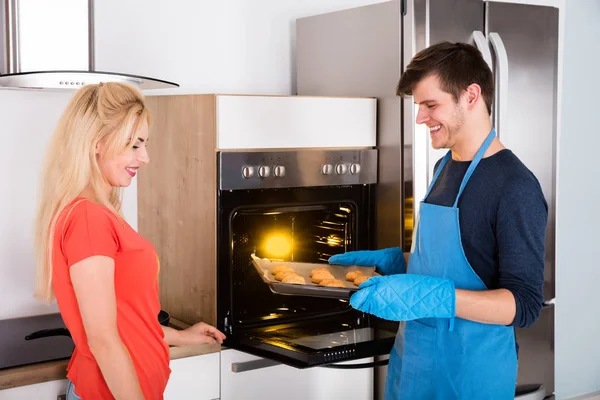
{"x": 441, "y": 358}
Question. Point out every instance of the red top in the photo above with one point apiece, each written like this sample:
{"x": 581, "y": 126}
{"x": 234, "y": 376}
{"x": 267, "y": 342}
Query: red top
{"x": 86, "y": 229}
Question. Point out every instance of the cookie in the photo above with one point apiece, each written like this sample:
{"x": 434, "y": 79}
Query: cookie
{"x": 293, "y": 278}
{"x": 280, "y": 275}
{"x": 317, "y": 270}
{"x": 352, "y": 275}
{"x": 332, "y": 283}
{"x": 360, "y": 279}
{"x": 281, "y": 268}
{"x": 319, "y": 276}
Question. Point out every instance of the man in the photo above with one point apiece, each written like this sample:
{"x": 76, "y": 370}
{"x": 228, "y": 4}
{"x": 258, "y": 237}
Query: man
{"x": 476, "y": 267}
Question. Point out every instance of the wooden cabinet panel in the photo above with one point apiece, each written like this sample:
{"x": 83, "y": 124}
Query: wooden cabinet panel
{"x": 177, "y": 203}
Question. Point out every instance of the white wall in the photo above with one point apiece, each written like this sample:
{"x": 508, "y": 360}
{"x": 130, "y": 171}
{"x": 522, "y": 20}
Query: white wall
{"x": 578, "y": 215}
{"x": 27, "y": 120}
{"x": 207, "y": 46}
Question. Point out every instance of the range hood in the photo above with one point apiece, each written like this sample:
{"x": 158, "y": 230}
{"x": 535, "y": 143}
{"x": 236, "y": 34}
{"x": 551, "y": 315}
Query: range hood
{"x": 49, "y": 44}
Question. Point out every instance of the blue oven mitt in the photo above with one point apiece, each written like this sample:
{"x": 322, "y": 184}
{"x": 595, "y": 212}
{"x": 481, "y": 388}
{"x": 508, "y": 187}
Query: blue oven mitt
{"x": 405, "y": 297}
{"x": 388, "y": 261}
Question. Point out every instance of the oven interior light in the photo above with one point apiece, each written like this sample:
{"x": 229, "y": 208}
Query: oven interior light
{"x": 335, "y": 241}
{"x": 278, "y": 246}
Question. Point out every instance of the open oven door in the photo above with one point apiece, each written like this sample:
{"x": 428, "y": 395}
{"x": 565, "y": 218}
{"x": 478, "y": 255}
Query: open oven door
{"x": 322, "y": 342}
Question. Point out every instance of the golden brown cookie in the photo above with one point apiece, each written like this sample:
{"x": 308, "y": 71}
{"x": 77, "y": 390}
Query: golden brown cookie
{"x": 352, "y": 275}
{"x": 293, "y": 278}
{"x": 280, "y": 275}
{"x": 360, "y": 279}
{"x": 318, "y": 270}
{"x": 318, "y": 277}
{"x": 281, "y": 268}
{"x": 332, "y": 283}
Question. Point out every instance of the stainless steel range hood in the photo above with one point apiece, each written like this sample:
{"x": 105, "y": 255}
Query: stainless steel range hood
{"x": 50, "y": 45}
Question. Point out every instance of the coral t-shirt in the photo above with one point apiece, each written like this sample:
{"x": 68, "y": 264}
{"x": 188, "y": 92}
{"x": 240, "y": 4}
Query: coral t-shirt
{"x": 86, "y": 229}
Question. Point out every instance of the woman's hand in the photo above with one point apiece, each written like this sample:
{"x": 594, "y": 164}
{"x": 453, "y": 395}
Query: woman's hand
{"x": 196, "y": 334}
{"x": 201, "y": 333}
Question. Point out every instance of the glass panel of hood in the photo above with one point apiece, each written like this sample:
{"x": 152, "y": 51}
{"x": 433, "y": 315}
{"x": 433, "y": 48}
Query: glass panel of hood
{"x": 53, "y": 35}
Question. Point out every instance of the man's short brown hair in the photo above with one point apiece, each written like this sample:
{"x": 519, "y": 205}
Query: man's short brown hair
{"x": 457, "y": 65}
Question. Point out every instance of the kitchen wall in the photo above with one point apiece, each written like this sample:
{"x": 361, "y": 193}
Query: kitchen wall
{"x": 207, "y": 46}
{"x": 578, "y": 215}
{"x": 27, "y": 120}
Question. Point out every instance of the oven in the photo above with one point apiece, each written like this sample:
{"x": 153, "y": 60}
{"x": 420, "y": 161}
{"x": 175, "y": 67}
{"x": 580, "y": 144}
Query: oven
{"x": 303, "y": 206}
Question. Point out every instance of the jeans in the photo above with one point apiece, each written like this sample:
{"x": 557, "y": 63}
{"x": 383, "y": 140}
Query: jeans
{"x": 71, "y": 395}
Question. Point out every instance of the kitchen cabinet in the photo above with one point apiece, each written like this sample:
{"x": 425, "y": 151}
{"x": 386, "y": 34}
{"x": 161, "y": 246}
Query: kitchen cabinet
{"x": 283, "y": 382}
{"x": 40, "y": 391}
{"x": 194, "y": 378}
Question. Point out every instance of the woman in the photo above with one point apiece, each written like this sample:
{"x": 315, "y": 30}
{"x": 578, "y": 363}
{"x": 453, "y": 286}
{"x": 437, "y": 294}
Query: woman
{"x": 103, "y": 274}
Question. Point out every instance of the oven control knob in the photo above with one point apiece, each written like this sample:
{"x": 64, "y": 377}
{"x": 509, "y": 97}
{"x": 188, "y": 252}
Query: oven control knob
{"x": 341, "y": 169}
{"x": 248, "y": 172}
{"x": 279, "y": 171}
{"x": 327, "y": 169}
{"x": 355, "y": 169}
{"x": 264, "y": 171}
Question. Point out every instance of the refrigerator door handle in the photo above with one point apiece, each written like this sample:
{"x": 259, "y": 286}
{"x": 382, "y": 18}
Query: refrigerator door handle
{"x": 501, "y": 75}
{"x": 482, "y": 45}
{"x": 549, "y": 303}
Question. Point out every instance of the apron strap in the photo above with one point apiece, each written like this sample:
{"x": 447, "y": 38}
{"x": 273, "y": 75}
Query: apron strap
{"x": 475, "y": 162}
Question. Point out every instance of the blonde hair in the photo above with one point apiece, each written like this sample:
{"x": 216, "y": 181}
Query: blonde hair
{"x": 107, "y": 112}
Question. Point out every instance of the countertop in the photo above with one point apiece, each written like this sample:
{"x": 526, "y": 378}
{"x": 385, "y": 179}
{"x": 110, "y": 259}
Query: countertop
{"x": 55, "y": 370}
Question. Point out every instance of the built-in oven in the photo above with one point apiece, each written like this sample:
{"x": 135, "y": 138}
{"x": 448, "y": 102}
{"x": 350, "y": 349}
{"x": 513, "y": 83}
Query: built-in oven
{"x": 303, "y": 206}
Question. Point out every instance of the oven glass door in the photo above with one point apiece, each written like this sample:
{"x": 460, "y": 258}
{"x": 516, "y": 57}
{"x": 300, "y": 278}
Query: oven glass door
{"x": 319, "y": 341}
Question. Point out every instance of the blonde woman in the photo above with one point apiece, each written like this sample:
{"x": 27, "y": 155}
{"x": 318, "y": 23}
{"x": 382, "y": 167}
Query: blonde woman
{"x": 102, "y": 273}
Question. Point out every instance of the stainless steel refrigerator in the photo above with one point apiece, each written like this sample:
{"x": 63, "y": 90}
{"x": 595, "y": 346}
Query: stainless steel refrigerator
{"x": 363, "y": 51}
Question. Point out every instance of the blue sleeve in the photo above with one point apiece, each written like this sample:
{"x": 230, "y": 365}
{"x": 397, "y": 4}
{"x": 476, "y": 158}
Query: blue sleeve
{"x": 521, "y": 233}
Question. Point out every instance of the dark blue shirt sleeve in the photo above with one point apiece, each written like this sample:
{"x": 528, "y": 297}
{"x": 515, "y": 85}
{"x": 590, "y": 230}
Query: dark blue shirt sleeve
{"x": 521, "y": 233}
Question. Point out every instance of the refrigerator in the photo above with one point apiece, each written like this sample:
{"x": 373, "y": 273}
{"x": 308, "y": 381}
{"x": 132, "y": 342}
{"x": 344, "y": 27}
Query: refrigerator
{"x": 363, "y": 51}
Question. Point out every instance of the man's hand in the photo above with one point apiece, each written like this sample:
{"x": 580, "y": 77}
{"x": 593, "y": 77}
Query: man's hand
{"x": 405, "y": 297}
{"x": 387, "y": 261}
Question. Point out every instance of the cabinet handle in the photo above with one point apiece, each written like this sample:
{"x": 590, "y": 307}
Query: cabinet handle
{"x": 252, "y": 365}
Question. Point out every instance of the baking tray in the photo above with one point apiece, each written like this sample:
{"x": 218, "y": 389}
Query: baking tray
{"x": 264, "y": 266}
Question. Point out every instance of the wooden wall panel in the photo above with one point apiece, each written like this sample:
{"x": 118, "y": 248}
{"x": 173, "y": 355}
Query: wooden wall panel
{"x": 177, "y": 203}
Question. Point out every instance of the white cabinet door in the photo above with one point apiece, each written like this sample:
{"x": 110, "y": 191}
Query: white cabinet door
{"x": 283, "y": 122}
{"x": 288, "y": 383}
{"x": 194, "y": 378}
{"x": 39, "y": 391}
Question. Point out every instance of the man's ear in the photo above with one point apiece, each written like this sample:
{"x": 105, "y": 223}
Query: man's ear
{"x": 472, "y": 95}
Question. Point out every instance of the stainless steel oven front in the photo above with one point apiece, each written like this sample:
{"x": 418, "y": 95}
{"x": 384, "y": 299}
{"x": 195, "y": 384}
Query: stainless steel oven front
{"x": 297, "y": 205}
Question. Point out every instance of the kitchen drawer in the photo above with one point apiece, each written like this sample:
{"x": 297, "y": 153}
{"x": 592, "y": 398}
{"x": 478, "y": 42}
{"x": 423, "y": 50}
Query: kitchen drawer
{"x": 283, "y": 382}
{"x": 194, "y": 377}
{"x": 40, "y": 391}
